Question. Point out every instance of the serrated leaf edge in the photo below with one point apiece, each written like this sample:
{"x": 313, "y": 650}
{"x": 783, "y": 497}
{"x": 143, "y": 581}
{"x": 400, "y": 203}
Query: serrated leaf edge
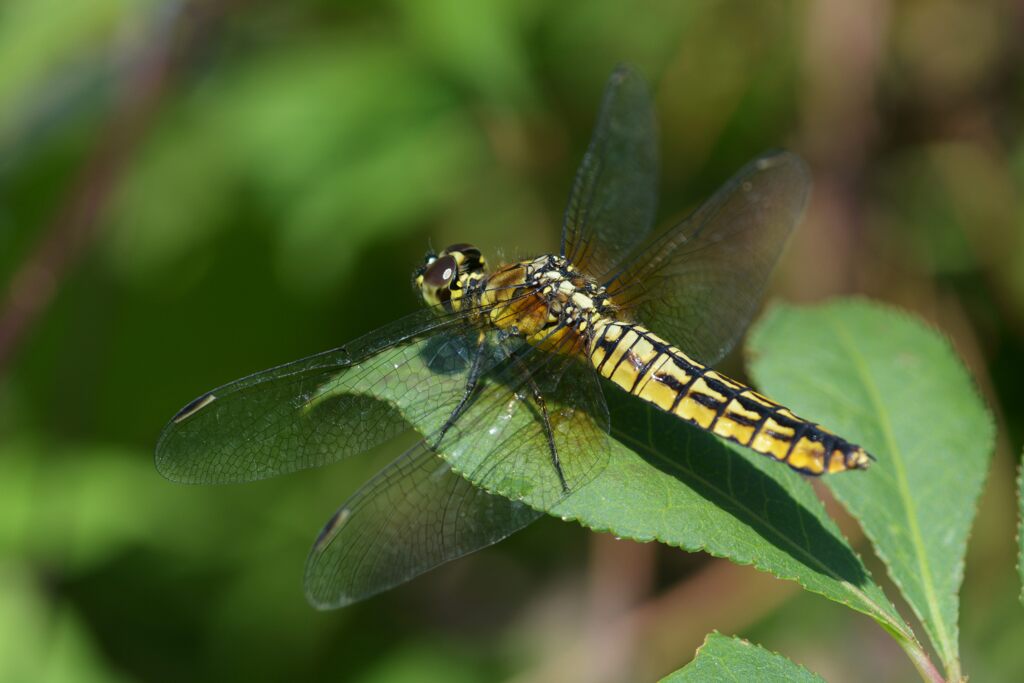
{"x": 950, "y": 648}
{"x": 747, "y": 643}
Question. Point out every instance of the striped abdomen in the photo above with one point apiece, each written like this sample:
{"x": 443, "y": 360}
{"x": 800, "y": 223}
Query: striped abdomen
{"x": 650, "y": 368}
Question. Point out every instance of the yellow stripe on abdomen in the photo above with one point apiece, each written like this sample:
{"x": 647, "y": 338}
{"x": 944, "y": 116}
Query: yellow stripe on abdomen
{"x": 650, "y": 368}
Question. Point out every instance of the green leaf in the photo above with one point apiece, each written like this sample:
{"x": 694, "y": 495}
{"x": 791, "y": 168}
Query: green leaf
{"x": 887, "y": 381}
{"x": 663, "y": 481}
{"x": 722, "y": 658}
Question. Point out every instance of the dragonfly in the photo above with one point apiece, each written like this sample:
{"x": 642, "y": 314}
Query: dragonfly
{"x": 502, "y": 372}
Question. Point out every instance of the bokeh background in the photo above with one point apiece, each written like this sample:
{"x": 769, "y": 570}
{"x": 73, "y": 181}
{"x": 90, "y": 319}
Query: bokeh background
{"x": 191, "y": 191}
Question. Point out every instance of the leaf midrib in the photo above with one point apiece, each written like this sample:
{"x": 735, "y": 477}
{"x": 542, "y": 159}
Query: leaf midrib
{"x": 906, "y": 501}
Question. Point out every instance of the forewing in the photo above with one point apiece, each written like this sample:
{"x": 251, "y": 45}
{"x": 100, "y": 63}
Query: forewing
{"x": 414, "y": 515}
{"x": 614, "y": 195}
{"x": 317, "y": 410}
{"x": 699, "y": 283}
{"x": 495, "y": 467}
{"x": 500, "y": 442}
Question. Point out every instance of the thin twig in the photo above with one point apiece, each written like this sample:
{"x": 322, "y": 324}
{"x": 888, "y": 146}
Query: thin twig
{"x": 147, "y": 74}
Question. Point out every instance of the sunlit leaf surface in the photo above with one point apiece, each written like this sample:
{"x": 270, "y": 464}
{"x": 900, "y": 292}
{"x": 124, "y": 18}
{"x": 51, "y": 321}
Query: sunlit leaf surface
{"x": 722, "y": 658}
{"x": 888, "y": 382}
{"x": 668, "y": 482}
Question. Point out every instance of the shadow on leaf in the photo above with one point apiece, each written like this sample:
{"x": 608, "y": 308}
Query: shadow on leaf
{"x": 773, "y": 504}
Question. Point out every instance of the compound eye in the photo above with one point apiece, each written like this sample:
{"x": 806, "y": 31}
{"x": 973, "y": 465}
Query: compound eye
{"x": 441, "y": 272}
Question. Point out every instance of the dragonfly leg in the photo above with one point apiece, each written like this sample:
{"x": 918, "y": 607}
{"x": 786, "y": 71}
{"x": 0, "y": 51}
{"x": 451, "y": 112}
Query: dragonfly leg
{"x": 471, "y": 383}
{"x": 538, "y": 398}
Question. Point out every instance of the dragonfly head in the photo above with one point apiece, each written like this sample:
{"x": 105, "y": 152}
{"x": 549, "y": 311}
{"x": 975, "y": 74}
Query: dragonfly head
{"x": 444, "y": 277}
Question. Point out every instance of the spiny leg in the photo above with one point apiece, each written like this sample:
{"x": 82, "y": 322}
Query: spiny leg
{"x": 471, "y": 383}
{"x": 538, "y": 397}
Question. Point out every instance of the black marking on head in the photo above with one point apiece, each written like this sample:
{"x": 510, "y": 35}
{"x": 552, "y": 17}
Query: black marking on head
{"x": 469, "y": 250}
{"x": 193, "y": 407}
{"x": 468, "y": 257}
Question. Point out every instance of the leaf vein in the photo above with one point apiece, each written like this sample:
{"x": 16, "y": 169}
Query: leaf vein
{"x": 907, "y": 502}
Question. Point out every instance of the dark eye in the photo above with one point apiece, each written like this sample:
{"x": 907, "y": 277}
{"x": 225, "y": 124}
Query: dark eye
{"x": 441, "y": 272}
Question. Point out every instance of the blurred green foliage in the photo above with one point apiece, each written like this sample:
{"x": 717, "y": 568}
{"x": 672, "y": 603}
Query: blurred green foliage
{"x": 298, "y": 160}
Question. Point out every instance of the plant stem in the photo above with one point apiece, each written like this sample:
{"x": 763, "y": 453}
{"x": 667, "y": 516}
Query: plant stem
{"x": 922, "y": 662}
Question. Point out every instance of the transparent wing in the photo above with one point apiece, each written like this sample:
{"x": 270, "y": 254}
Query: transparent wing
{"x": 413, "y": 516}
{"x": 495, "y": 463}
{"x": 614, "y": 194}
{"x": 416, "y": 514}
{"x": 412, "y": 373}
{"x": 500, "y": 442}
{"x": 699, "y": 283}
{"x": 317, "y": 410}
